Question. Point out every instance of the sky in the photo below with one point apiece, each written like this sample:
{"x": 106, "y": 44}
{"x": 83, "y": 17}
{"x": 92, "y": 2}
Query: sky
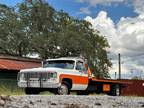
{"x": 120, "y": 21}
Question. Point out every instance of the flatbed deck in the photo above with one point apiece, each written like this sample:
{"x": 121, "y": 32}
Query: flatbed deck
{"x": 118, "y": 81}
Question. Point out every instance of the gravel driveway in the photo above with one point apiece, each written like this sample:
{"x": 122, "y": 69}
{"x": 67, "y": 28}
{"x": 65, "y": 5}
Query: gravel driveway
{"x": 71, "y": 101}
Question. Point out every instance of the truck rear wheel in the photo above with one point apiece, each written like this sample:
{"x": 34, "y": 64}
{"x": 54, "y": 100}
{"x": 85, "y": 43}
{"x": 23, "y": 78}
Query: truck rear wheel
{"x": 31, "y": 91}
{"x": 64, "y": 89}
{"x": 115, "y": 90}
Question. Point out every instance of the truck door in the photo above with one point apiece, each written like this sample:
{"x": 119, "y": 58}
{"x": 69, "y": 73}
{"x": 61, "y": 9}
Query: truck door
{"x": 82, "y": 81}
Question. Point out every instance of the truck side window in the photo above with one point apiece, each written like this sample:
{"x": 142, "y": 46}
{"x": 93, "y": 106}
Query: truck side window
{"x": 80, "y": 66}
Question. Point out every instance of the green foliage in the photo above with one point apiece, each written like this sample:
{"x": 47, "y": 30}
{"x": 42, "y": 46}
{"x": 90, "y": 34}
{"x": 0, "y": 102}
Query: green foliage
{"x": 13, "y": 39}
{"x": 9, "y": 87}
{"x": 36, "y": 28}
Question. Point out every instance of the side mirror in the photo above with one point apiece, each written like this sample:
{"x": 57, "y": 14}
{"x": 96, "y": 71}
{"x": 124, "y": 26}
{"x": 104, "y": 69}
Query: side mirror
{"x": 42, "y": 63}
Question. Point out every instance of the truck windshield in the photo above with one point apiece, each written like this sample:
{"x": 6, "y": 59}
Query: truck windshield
{"x": 64, "y": 64}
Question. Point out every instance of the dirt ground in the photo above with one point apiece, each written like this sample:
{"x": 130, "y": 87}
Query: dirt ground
{"x": 70, "y": 101}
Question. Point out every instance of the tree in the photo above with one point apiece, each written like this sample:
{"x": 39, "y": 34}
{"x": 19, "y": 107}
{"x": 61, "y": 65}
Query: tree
{"x": 39, "y": 22}
{"x": 12, "y": 38}
{"x": 77, "y": 38}
{"x": 36, "y": 28}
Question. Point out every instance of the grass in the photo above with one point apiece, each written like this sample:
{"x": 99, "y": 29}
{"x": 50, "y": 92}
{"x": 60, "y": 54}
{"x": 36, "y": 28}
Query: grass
{"x": 9, "y": 87}
{"x": 46, "y": 93}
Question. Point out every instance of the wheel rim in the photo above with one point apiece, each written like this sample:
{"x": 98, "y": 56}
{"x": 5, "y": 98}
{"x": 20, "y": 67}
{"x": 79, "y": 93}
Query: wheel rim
{"x": 63, "y": 90}
{"x": 117, "y": 91}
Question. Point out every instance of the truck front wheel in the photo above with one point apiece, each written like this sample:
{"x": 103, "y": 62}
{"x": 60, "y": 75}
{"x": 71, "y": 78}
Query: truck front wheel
{"x": 64, "y": 89}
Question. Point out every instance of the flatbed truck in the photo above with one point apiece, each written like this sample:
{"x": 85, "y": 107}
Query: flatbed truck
{"x": 64, "y": 75}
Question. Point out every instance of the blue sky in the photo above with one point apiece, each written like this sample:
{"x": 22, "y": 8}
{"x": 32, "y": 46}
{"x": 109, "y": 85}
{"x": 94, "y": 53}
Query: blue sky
{"x": 115, "y": 11}
{"x": 73, "y": 8}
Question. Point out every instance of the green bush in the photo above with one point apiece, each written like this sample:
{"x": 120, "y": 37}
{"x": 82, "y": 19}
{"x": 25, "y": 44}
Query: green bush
{"x": 9, "y": 87}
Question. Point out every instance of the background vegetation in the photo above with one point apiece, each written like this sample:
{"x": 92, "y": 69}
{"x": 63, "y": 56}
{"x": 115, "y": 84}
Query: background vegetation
{"x": 9, "y": 87}
{"x": 34, "y": 27}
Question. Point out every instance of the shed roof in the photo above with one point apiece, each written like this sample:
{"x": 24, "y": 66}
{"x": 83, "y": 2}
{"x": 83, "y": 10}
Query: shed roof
{"x": 17, "y": 63}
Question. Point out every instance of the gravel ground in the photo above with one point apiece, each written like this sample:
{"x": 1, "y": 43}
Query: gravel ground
{"x": 71, "y": 101}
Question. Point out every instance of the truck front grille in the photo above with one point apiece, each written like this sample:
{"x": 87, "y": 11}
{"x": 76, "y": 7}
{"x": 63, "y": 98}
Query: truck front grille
{"x": 42, "y": 76}
{"x": 37, "y": 79}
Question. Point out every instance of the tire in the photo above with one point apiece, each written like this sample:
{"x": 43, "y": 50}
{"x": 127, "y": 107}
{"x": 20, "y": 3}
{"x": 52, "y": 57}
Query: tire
{"x": 115, "y": 90}
{"x": 31, "y": 91}
{"x": 64, "y": 89}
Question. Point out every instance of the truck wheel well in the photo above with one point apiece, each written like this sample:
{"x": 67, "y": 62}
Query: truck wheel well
{"x": 67, "y": 80}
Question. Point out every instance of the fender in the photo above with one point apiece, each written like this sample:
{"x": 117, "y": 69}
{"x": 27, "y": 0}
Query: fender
{"x": 78, "y": 82}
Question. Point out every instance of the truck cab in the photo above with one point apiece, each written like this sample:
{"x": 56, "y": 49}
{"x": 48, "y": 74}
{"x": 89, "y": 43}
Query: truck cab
{"x": 62, "y": 75}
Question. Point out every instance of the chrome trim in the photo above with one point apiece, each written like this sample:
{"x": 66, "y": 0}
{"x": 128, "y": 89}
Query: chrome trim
{"x": 37, "y": 84}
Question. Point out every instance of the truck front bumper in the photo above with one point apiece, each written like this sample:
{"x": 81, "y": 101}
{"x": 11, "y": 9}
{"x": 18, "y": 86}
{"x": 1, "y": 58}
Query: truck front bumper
{"x": 37, "y": 84}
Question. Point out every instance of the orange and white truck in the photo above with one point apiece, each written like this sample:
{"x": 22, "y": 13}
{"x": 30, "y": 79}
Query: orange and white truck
{"x": 64, "y": 75}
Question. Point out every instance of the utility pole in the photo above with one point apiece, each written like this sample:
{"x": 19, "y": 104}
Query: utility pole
{"x": 119, "y": 63}
{"x": 115, "y": 75}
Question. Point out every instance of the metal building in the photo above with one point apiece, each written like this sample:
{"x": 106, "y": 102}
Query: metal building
{"x": 133, "y": 88}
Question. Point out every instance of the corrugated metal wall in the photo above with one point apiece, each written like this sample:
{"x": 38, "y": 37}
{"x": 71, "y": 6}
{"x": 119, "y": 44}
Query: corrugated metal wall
{"x": 134, "y": 88}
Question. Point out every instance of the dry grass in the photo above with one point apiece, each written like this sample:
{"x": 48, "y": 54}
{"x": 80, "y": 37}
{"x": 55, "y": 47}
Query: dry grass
{"x": 9, "y": 87}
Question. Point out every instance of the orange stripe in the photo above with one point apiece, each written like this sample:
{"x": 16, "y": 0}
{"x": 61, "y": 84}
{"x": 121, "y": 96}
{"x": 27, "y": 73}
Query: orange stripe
{"x": 89, "y": 72}
{"x": 75, "y": 79}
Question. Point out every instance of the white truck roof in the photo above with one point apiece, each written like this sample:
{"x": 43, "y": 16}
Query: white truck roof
{"x": 67, "y": 58}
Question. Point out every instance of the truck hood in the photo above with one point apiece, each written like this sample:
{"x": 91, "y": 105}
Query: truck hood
{"x": 50, "y": 69}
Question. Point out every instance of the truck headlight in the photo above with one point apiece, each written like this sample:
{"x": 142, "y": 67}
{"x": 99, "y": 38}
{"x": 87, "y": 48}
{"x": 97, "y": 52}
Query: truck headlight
{"x": 21, "y": 77}
{"x": 52, "y": 76}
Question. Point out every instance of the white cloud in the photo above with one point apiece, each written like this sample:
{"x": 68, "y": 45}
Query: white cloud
{"x": 139, "y": 7}
{"x": 131, "y": 32}
{"x": 85, "y": 10}
{"x": 125, "y": 37}
{"x": 103, "y": 24}
{"x": 102, "y": 2}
